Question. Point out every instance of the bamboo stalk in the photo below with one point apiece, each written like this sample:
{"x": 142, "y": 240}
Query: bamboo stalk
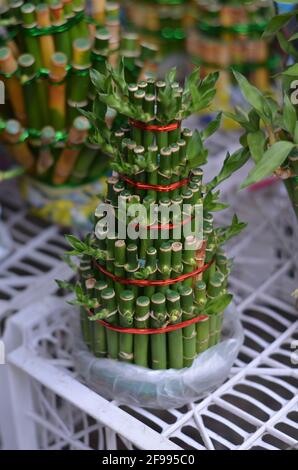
{"x": 109, "y": 301}
{"x": 69, "y": 155}
{"x": 175, "y": 338}
{"x": 45, "y": 158}
{"x": 158, "y": 341}
{"x": 77, "y": 96}
{"x": 126, "y": 316}
{"x": 17, "y": 146}
{"x": 47, "y": 45}
{"x": 62, "y": 39}
{"x": 26, "y": 63}
{"x": 57, "y": 90}
{"x": 189, "y": 332}
{"x": 141, "y": 342}
{"x": 9, "y": 67}
{"x": 32, "y": 45}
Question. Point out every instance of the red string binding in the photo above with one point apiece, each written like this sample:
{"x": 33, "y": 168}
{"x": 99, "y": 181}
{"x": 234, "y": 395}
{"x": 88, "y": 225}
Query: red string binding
{"x": 150, "y": 331}
{"x": 155, "y": 127}
{"x": 155, "y": 187}
{"x": 146, "y": 282}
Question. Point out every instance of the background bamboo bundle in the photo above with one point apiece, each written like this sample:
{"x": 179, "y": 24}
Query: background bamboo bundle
{"x": 164, "y": 22}
{"x": 229, "y": 34}
{"x": 157, "y": 299}
{"x": 45, "y": 61}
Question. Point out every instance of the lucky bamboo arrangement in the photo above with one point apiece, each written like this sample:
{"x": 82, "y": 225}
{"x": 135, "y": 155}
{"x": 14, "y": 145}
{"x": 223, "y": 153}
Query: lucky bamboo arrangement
{"x": 45, "y": 62}
{"x": 156, "y": 300}
{"x": 271, "y": 128}
{"x": 229, "y": 34}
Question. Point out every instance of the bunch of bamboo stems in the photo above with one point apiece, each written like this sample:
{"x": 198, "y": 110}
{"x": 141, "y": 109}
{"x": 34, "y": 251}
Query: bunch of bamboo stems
{"x": 45, "y": 65}
{"x": 229, "y": 35}
{"x": 155, "y": 157}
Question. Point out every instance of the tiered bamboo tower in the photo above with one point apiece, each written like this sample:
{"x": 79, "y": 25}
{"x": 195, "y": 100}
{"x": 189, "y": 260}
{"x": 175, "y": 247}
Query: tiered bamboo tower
{"x": 228, "y": 35}
{"x": 45, "y": 60}
{"x": 156, "y": 300}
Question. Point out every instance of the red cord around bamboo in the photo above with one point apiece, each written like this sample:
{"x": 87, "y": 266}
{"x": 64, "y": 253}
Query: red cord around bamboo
{"x": 150, "y": 331}
{"x": 155, "y": 127}
{"x": 156, "y": 187}
{"x": 146, "y": 282}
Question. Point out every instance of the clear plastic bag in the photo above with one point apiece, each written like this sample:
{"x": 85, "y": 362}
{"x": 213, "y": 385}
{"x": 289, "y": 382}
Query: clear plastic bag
{"x": 133, "y": 385}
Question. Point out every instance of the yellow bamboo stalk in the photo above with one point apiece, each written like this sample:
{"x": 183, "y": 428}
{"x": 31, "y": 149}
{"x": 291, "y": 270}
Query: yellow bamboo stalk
{"x": 9, "y": 66}
{"x": 45, "y": 157}
{"x": 68, "y": 157}
{"x": 98, "y": 10}
{"x": 18, "y": 148}
{"x": 47, "y": 44}
{"x": 57, "y": 90}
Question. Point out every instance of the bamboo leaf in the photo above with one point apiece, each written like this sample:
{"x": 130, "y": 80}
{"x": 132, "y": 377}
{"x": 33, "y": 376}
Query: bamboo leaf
{"x": 212, "y": 127}
{"x": 289, "y": 116}
{"x": 219, "y": 304}
{"x": 98, "y": 79}
{"x": 226, "y": 233}
{"x": 77, "y": 244}
{"x": 291, "y": 71}
{"x": 211, "y": 203}
{"x": 196, "y": 153}
{"x": 254, "y": 97}
{"x": 65, "y": 285}
{"x": 276, "y": 23}
{"x": 195, "y": 145}
{"x": 286, "y": 46}
{"x": 256, "y": 144}
{"x": 231, "y": 164}
{"x": 271, "y": 160}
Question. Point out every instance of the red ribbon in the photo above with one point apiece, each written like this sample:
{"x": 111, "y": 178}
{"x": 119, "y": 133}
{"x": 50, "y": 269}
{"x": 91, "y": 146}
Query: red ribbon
{"x": 150, "y": 331}
{"x": 146, "y": 282}
{"x": 155, "y": 127}
{"x": 155, "y": 187}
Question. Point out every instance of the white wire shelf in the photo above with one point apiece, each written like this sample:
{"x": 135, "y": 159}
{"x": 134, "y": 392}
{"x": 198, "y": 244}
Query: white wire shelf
{"x": 256, "y": 408}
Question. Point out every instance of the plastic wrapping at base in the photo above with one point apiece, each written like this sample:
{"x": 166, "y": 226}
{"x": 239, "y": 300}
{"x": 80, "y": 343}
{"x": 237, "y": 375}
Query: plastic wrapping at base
{"x": 133, "y": 385}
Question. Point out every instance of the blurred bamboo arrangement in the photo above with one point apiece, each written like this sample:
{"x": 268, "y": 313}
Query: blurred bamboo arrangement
{"x": 228, "y": 34}
{"x": 156, "y": 282}
{"x": 45, "y": 60}
{"x": 164, "y": 22}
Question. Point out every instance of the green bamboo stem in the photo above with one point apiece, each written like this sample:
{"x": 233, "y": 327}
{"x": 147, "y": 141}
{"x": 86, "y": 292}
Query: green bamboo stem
{"x": 151, "y": 265}
{"x": 158, "y": 341}
{"x": 175, "y": 338}
{"x": 164, "y": 264}
{"x": 99, "y": 331}
{"x": 27, "y": 64}
{"x": 214, "y": 289}
{"x": 32, "y": 45}
{"x": 189, "y": 332}
{"x": 141, "y": 342}
{"x": 109, "y": 302}
{"x": 126, "y": 315}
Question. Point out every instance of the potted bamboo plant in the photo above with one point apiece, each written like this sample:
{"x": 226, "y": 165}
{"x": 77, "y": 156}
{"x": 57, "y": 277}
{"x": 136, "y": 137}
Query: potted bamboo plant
{"x": 271, "y": 128}
{"x": 155, "y": 300}
{"x": 45, "y": 61}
